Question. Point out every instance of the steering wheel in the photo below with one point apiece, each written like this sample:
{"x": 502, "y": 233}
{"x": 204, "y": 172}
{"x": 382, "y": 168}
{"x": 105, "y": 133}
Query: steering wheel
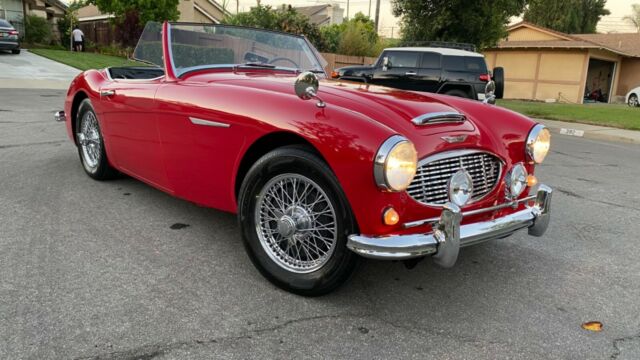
{"x": 285, "y": 59}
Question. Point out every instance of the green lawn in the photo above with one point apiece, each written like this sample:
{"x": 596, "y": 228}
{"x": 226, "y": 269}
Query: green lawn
{"x": 86, "y": 60}
{"x": 619, "y": 116}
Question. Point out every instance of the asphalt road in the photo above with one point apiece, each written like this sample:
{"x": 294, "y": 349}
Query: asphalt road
{"x": 94, "y": 270}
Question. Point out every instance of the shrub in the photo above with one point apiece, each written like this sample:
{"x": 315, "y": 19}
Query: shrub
{"x": 37, "y": 30}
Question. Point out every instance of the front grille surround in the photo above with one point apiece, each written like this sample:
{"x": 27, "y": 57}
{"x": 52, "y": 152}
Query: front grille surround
{"x": 431, "y": 183}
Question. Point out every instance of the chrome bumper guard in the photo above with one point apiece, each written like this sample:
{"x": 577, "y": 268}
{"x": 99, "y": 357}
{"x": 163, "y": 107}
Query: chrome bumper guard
{"x": 59, "y": 116}
{"x": 449, "y": 236}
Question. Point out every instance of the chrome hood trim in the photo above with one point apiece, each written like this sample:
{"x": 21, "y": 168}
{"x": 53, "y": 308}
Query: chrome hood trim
{"x": 439, "y": 117}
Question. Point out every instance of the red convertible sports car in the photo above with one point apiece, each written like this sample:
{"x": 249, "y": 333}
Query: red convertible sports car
{"x": 320, "y": 173}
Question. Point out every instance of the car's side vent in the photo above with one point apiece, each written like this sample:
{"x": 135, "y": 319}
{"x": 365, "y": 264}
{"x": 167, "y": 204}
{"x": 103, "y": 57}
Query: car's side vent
{"x": 439, "y": 117}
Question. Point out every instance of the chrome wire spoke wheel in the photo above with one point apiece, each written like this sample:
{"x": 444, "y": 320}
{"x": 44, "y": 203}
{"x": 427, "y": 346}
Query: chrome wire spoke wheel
{"x": 296, "y": 223}
{"x": 633, "y": 101}
{"x": 90, "y": 141}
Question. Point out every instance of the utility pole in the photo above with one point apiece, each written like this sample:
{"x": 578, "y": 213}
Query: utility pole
{"x": 369, "y": 14}
{"x": 347, "y": 9}
{"x": 377, "y": 14}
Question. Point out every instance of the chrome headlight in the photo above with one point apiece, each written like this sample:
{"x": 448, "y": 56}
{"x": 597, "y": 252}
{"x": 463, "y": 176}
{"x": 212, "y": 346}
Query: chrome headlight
{"x": 460, "y": 187}
{"x": 516, "y": 180}
{"x": 395, "y": 164}
{"x": 538, "y": 143}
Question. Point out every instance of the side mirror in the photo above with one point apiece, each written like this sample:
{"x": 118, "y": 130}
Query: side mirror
{"x": 306, "y": 87}
{"x": 490, "y": 93}
{"x": 385, "y": 64}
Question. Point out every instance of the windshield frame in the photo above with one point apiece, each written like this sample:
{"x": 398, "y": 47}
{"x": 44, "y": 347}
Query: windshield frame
{"x": 179, "y": 74}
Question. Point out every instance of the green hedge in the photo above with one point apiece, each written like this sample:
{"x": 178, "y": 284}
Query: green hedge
{"x": 184, "y": 56}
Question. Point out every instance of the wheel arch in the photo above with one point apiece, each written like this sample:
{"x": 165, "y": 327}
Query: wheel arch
{"x": 467, "y": 88}
{"x": 75, "y": 106}
{"x": 265, "y": 144}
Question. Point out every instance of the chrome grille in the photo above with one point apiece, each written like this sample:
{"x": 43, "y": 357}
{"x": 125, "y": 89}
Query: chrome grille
{"x": 432, "y": 178}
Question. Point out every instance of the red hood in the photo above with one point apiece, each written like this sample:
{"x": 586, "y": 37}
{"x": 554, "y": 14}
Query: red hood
{"x": 490, "y": 127}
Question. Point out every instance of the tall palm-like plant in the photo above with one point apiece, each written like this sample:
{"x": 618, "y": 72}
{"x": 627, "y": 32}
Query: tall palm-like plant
{"x": 635, "y": 17}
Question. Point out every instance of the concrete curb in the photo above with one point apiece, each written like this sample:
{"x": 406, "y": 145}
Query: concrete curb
{"x": 592, "y": 131}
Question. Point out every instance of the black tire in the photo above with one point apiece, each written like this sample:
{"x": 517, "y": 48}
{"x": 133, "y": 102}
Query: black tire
{"x": 458, "y": 93}
{"x": 633, "y": 101}
{"x": 102, "y": 170}
{"x": 299, "y": 161}
{"x": 15, "y": 51}
{"x": 498, "y": 78}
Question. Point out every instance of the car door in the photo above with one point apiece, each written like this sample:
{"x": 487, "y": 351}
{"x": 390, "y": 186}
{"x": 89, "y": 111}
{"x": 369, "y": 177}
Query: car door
{"x": 131, "y": 134}
{"x": 200, "y": 140}
{"x": 401, "y": 71}
{"x": 430, "y": 72}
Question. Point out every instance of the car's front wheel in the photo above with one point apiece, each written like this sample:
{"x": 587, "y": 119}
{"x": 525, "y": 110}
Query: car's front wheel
{"x": 15, "y": 51}
{"x": 633, "y": 101}
{"x": 91, "y": 144}
{"x": 295, "y": 221}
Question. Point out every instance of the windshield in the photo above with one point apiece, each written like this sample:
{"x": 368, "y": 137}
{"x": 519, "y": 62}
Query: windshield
{"x": 201, "y": 46}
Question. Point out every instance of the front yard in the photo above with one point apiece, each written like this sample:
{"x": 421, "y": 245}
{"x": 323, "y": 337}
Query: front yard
{"x": 618, "y": 116}
{"x": 84, "y": 60}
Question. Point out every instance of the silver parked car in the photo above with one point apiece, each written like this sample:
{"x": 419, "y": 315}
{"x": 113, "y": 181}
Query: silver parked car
{"x": 9, "y": 37}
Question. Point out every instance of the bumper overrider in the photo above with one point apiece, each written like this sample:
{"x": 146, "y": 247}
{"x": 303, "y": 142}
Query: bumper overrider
{"x": 449, "y": 236}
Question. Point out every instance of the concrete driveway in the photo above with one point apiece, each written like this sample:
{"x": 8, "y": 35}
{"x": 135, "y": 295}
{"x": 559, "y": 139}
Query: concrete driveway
{"x": 30, "y": 71}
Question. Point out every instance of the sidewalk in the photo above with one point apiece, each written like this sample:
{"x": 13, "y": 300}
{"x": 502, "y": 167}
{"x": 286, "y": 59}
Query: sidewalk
{"x": 592, "y": 131}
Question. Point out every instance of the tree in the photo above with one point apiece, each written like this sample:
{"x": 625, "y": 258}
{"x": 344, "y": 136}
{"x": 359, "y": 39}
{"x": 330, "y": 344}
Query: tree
{"x": 568, "y": 16}
{"x": 69, "y": 19}
{"x": 634, "y": 18}
{"x": 357, "y": 36}
{"x": 130, "y": 16}
{"x": 285, "y": 18}
{"x": 147, "y": 10}
{"x": 481, "y": 22}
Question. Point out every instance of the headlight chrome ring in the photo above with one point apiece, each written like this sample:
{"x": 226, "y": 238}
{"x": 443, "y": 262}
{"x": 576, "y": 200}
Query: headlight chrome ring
{"x": 395, "y": 164}
{"x": 516, "y": 180}
{"x": 538, "y": 143}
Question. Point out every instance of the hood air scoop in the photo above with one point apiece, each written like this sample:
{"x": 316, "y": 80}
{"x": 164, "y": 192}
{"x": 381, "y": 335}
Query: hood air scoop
{"x": 439, "y": 117}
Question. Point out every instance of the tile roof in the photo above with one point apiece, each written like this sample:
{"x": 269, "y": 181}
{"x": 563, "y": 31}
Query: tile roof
{"x": 622, "y": 44}
{"x": 627, "y": 43}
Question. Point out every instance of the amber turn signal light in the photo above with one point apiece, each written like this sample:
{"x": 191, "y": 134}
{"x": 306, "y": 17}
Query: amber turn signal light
{"x": 334, "y": 75}
{"x": 531, "y": 181}
{"x": 390, "y": 216}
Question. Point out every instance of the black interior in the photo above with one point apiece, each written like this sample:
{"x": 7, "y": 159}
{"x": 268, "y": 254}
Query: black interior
{"x": 135, "y": 73}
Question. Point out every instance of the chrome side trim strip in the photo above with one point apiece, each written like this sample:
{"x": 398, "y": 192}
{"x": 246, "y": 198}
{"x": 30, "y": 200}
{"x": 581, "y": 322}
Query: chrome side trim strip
{"x": 208, "y": 122}
{"x": 439, "y": 117}
{"x": 416, "y": 223}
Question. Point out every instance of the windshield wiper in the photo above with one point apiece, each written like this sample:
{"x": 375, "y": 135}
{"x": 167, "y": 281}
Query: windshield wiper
{"x": 257, "y": 64}
{"x": 316, "y": 71}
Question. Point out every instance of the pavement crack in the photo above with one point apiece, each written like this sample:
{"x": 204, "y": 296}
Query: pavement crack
{"x": 578, "y": 196}
{"x": 616, "y": 344}
{"x": 148, "y": 352}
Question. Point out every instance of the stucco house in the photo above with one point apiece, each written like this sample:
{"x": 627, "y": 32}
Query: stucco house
{"x": 15, "y": 11}
{"x": 543, "y": 64}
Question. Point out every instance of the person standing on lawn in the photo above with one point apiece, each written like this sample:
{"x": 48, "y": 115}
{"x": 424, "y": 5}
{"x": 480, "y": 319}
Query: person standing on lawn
{"x": 78, "y": 39}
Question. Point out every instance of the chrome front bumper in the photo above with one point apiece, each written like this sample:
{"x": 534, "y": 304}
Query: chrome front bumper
{"x": 449, "y": 236}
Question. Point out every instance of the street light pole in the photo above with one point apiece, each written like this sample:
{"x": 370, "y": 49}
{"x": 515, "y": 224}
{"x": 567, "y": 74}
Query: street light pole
{"x": 377, "y": 14}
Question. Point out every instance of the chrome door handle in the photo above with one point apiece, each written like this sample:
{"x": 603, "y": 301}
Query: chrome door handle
{"x": 410, "y": 73}
{"x": 107, "y": 93}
